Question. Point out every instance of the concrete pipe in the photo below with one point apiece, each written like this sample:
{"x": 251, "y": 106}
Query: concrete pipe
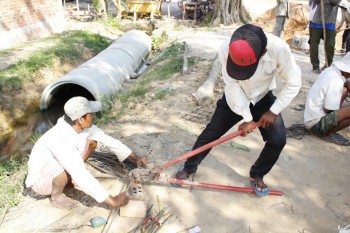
{"x": 103, "y": 75}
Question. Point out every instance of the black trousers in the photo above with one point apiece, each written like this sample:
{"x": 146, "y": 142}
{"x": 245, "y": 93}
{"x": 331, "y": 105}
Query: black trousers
{"x": 345, "y": 37}
{"x": 224, "y": 118}
{"x": 346, "y": 40}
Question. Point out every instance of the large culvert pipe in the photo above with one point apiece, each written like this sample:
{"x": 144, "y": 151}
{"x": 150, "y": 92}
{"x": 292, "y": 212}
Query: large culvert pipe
{"x": 103, "y": 75}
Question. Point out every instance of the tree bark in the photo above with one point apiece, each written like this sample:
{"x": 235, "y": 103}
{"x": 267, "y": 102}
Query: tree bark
{"x": 229, "y": 11}
{"x": 204, "y": 94}
{"x": 100, "y": 9}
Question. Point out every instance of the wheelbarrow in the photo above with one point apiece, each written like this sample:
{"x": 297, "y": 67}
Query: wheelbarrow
{"x": 142, "y": 175}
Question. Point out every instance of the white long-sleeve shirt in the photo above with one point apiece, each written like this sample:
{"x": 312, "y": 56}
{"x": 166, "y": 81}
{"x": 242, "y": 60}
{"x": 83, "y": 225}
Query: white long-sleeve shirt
{"x": 65, "y": 145}
{"x": 115, "y": 146}
{"x": 278, "y": 61}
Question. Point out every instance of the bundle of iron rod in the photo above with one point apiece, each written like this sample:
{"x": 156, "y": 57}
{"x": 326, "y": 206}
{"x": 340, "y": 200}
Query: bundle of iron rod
{"x": 108, "y": 163}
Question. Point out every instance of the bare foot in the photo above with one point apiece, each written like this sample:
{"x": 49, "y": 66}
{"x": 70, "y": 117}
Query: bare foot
{"x": 63, "y": 202}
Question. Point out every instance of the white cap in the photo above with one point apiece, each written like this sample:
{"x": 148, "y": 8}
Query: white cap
{"x": 344, "y": 63}
{"x": 78, "y": 106}
{"x": 344, "y": 4}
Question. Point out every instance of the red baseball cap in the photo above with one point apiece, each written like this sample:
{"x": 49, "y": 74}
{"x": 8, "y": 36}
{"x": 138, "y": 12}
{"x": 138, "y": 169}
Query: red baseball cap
{"x": 247, "y": 45}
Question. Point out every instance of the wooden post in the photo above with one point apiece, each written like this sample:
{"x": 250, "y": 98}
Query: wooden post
{"x": 152, "y": 10}
{"x": 78, "y": 6}
{"x": 169, "y": 10}
{"x": 324, "y": 32}
{"x": 195, "y": 11}
{"x": 135, "y": 14}
{"x": 183, "y": 9}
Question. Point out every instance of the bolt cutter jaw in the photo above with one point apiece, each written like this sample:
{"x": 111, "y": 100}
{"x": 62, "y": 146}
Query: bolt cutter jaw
{"x": 142, "y": 175}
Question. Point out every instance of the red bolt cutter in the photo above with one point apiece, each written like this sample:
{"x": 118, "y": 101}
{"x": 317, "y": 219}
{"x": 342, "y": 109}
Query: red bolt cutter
{"x": 143, "y": 175}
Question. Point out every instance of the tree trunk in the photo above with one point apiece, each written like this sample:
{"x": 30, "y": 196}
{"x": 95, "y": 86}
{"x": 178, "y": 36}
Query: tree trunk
{"x": 204, "y": 94}
{"x": 100, "y": 9}
{"x": 229, "y": 11}
{"x": 107, "y": 8}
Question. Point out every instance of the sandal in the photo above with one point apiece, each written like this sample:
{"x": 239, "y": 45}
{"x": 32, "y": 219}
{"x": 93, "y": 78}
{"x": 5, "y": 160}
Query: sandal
{"x": 180, "y": 175}
{"x": 260, "y": 190}
{"x": 336, "y": 139}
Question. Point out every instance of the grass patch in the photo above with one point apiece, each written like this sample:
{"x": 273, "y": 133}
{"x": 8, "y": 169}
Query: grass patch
{"x": 112, "y": 23}
{"x": 134, "y": 95}
{"x": 66, "y": 48}
{"x": 158, "y": 40}
{"x": 12, "y": 175}
{"x": 161, "y": 95}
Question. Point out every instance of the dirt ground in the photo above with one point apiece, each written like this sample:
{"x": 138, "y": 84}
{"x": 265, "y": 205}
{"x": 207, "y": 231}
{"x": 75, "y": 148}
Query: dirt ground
{"x": 312, "y": 174}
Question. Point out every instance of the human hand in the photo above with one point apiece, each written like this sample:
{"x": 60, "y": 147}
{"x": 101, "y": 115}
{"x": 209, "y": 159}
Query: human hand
{"x": 141, "y": 161}
{"x": 267, "y": 119}
{"x": 347, "y": 86}
{"x": 247, "y": 127}
{"x": 117, "y": 201}
{"x": 122, "y": 198}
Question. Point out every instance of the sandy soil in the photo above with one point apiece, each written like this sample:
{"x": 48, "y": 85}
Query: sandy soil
{"x": 312, "y": 174}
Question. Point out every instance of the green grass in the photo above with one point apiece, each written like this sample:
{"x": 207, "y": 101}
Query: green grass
{"x": 158, "y": 40}
{"x": 133, "y": 95}
{"x": 12, "y": 175}
{"x": 66, "y": 48}
{"x": 161, "y": 95}
{"x": 112, "y": 23}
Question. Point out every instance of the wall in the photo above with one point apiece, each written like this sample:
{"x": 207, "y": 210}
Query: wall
{"x": 25, "y": 20}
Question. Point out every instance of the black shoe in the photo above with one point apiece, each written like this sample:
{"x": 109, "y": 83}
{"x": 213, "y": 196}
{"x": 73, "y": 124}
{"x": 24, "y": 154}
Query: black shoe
{"x": 316, "y": 70}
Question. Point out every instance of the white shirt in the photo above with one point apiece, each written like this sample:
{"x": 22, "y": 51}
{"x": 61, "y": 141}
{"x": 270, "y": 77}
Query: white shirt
{"x": 277, "y": 61}
{"x": 325, "y": 93}
{"x": 115, "y": 146}
{"x": 312, "y": 11}
{"x": 65, "y": 145}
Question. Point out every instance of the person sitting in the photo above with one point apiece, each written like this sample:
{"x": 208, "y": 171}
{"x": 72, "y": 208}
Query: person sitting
{"x": 324, "y": 112}
{"x": 58, "y": 156}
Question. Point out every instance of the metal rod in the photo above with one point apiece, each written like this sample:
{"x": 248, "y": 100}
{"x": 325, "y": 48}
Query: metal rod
{"x": 214, "y": 186}
{"x": 324, "y": 32}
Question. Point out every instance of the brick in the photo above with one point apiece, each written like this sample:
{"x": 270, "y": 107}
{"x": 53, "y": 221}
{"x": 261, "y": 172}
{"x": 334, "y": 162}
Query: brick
{"x": 136, "y": 209}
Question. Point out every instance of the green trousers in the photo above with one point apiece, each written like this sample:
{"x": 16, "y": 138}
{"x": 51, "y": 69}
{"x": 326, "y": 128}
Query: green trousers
{"x": 315, "y": 37}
